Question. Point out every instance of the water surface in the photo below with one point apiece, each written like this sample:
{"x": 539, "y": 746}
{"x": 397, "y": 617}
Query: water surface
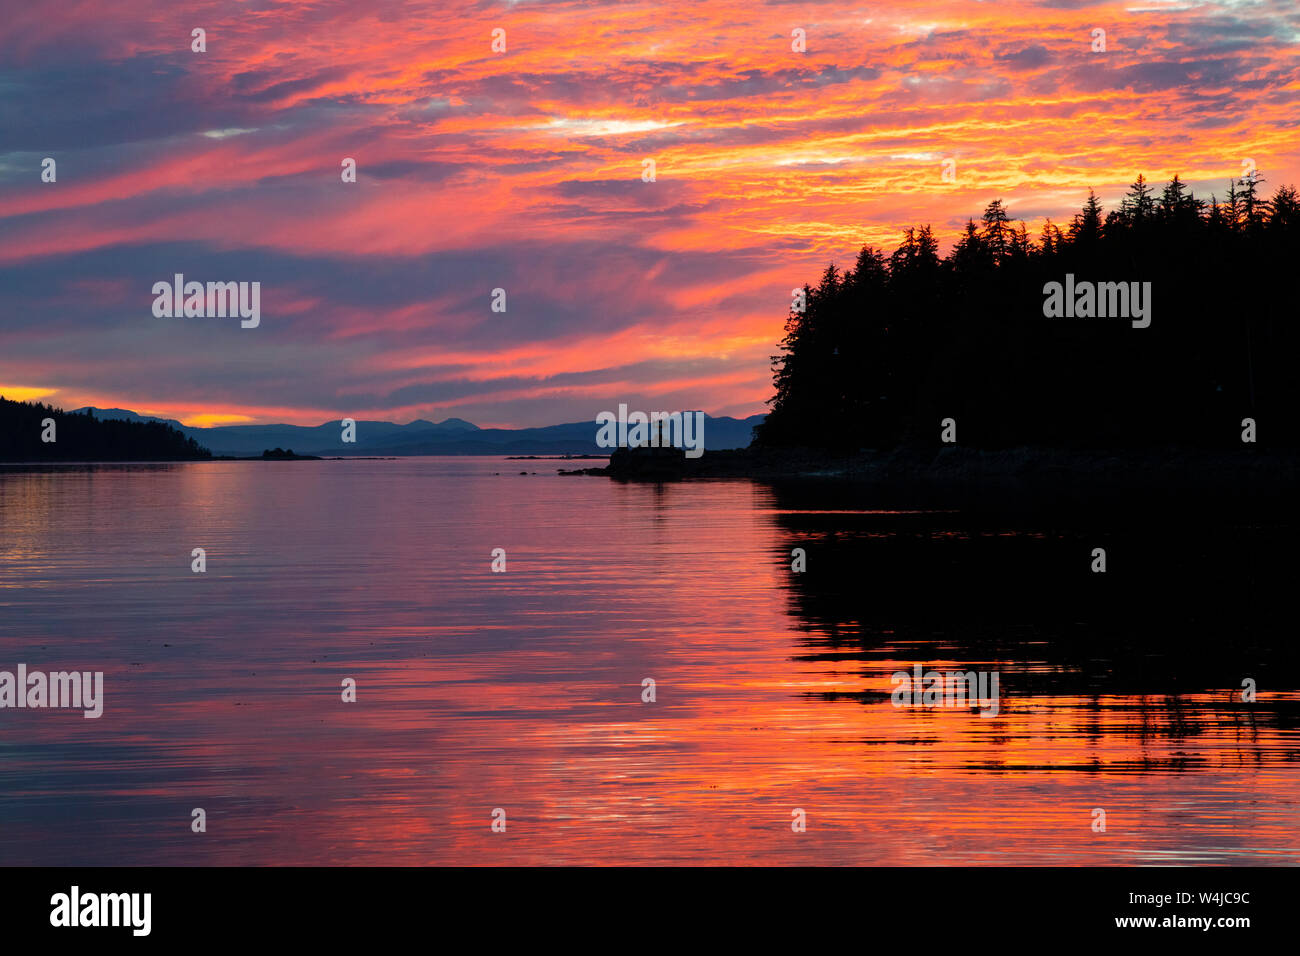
{"x": 522, "y": 690}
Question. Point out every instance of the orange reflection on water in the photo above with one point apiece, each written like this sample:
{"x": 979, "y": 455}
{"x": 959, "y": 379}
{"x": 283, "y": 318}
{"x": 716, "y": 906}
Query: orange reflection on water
{"x": 523, "y": 691}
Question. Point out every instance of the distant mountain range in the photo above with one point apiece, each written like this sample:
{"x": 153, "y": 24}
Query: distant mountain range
{"x": 454, "y": 436}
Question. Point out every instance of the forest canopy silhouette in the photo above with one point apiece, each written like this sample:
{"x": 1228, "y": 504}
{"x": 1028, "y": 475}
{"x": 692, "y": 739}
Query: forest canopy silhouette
{"x": 887, "y": 349}
{"x": 79, "y": 436}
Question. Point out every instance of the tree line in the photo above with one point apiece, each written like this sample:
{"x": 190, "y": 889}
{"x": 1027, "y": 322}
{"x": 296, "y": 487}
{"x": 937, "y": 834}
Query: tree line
{"x": 883, "y": 351}
{"x": 79, "y": 436}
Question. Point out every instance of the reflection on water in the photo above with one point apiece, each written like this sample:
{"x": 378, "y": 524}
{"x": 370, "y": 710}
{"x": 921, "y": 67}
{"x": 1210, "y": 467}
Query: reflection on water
{"x": 523, "y": 690}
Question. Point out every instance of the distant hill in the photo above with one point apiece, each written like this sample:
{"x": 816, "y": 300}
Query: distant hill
{"x": 454, "y": 436}
{"x": 80, "y": 436}
{"x": 121, "y": 414}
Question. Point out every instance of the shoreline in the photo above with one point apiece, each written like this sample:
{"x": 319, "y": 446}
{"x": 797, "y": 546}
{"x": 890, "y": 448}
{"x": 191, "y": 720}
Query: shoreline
{"x": 1011, "y": 470}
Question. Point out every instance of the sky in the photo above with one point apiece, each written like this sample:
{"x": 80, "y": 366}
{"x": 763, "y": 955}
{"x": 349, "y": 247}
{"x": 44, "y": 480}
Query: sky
{"x": 525, "y": 170}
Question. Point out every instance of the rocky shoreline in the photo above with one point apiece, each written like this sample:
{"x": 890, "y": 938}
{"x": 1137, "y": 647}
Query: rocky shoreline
{"x": 1061, "y": 471}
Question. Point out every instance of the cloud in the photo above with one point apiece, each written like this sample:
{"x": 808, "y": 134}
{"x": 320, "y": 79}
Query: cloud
{"x": 522, "y": 171}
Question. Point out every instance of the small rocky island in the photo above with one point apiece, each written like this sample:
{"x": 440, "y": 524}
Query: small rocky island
{"x": 284, "y": 454}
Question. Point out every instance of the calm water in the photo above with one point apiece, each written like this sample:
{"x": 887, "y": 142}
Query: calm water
{"x": 522, "y": 690}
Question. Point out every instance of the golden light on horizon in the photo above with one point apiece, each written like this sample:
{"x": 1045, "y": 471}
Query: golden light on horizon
{"x": 209, "y": 419}
{"x": 24, "y": 393}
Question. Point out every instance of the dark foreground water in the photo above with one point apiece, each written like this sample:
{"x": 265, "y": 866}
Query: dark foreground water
{"x": 522, "y": 690}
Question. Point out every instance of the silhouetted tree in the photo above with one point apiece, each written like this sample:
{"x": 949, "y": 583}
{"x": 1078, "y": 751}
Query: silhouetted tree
{"x": 1085, "y": 228}
{"x": 970, "y": 256}
{"x": 1138, "y": 207}
{"x": 1049, "y": 240}
{"x": 996, "y": 236}
{"x": 1253, "y": 208}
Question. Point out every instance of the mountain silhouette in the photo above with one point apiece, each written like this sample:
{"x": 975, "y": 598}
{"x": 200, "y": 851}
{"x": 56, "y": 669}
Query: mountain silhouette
{"x": 452, "y": 436}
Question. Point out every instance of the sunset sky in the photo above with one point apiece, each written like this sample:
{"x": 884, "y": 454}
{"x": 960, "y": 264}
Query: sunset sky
{"x": 523, "y": 170}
